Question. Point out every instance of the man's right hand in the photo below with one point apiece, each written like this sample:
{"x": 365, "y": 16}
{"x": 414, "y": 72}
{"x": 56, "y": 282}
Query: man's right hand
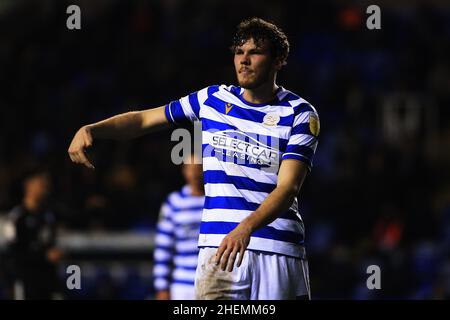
{"x": 77, "y": 149}
{"x": 120, "y": 127}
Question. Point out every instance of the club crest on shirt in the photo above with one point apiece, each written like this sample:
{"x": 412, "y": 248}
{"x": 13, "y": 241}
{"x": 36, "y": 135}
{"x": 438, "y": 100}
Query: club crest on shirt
{"x": 314, "y": 124}
{"x": 271, "y": 119}
{"x": 228, "y": 107}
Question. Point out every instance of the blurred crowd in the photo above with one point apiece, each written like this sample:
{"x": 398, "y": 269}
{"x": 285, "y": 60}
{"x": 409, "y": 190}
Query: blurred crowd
{"x": 379, "y": 192}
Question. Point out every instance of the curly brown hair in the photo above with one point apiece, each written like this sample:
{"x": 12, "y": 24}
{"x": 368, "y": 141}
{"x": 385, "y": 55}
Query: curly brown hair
{"x": 261, "y": 30}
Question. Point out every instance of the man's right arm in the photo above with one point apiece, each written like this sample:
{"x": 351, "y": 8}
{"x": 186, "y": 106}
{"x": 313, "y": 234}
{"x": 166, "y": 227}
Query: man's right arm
{"x": 120, "y": 127}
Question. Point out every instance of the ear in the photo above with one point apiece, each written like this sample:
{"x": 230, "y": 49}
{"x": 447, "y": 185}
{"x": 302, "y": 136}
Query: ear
{"x": 278, "y": 64}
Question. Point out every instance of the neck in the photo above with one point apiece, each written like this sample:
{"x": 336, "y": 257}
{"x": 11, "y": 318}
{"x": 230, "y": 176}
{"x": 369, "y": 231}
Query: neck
{"x": 262, "y": 94}
{"x": 31, "y": 204}
{"x": 196, "y": 190}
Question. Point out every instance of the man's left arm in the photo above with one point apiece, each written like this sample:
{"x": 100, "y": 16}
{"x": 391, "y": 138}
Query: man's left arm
{"x": 290, "y": 179}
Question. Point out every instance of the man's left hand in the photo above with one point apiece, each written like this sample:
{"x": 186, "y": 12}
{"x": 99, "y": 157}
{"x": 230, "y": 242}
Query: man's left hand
{"x": 235, "y": 242}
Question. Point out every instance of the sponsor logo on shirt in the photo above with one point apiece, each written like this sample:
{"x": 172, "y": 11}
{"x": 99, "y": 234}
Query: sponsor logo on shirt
{"x": 244, "y": 148}
{"x": 314, "y": 124}
{"x": 271, "y": 119}
{"x": 228, "y": 107}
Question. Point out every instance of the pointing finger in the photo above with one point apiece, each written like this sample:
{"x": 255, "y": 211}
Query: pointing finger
{"x": 84, "y": 160}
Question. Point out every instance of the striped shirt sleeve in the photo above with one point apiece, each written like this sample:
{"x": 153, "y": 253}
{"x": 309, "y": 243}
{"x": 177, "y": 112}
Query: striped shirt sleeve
{"x": 186, "y": 109}
{"x": 302, "y": 143}
{"x": 164, "y": 248}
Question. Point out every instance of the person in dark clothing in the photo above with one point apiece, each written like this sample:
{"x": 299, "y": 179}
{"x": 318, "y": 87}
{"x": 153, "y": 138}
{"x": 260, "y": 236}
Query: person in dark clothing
{"x": 32, "y": 241}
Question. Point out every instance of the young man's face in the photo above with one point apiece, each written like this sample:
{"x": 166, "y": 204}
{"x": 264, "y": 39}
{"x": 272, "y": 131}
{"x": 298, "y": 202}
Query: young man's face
{"x": 38, "y": 187}
{"x": 254, "y": 65}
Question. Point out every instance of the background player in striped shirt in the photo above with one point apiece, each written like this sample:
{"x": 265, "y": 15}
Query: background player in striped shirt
{"x": 258, "y": 140}
{"x": 176, "y": 250}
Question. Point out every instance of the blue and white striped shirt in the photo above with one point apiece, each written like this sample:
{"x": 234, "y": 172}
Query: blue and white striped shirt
{"x": 243, "y": 146}
{"x": 176, "y": 250}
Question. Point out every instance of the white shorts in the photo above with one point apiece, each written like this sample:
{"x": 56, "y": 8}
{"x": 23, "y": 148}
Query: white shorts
{"x": 179, "y": 291}
{"x": 261, "y": 276}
